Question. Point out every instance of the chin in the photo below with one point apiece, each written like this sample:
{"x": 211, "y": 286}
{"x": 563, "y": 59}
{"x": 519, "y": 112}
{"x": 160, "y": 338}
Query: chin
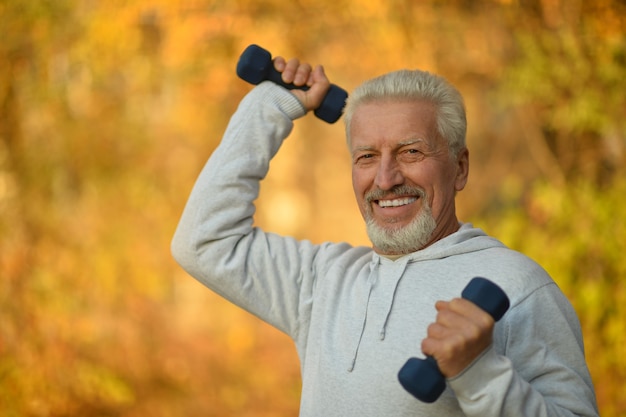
{"x": 402, "y": 239}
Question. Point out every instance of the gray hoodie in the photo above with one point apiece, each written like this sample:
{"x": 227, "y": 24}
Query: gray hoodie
{"x": 356, "y": 317}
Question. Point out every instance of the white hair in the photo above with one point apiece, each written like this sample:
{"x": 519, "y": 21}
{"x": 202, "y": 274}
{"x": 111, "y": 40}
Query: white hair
{"x": 415, "y": 85}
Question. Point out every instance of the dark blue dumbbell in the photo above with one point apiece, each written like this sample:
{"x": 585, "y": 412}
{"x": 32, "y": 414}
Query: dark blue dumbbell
{"x": 422, "y": 377}
{"x": 255, "y": 65}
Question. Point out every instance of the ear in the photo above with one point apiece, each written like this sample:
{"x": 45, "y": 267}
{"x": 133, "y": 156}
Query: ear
{"x": 462, "y": 169}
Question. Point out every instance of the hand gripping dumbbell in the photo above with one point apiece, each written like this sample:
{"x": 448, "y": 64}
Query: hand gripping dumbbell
{"x": 255, "y": 65}
{"x": 422, "y": 377}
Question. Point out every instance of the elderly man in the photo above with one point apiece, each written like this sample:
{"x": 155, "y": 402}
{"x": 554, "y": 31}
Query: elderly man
{"x": 356, "y": 314}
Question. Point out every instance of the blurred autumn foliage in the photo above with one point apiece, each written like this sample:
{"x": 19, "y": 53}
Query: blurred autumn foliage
{"x": 108, "y": 110}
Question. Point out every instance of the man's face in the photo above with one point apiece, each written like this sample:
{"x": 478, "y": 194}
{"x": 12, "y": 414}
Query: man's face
{"x": 403, "y": 175}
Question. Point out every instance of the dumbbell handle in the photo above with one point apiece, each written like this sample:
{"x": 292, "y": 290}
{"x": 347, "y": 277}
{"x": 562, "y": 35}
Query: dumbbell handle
{"x": 422, "y": 377}
{"x": 255, "y": 65}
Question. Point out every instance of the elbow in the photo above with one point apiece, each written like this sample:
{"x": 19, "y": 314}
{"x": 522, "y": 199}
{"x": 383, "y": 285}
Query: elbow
{"x": 194, "y": 254}
{"x": 183, "y": 250}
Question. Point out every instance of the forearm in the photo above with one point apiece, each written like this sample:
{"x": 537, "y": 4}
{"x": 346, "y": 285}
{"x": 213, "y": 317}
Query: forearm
{"x": 536, "y": 366}
{"x": 500, "y": 392}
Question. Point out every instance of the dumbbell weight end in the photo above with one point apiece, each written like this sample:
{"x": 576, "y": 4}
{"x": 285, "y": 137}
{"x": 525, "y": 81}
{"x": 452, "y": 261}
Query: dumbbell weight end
{"x": 422, "y": 378}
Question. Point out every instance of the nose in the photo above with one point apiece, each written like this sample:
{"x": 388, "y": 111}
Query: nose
{"x": 389, "y": 174}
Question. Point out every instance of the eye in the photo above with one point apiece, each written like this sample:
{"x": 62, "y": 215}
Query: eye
{"x": 411, "y": 155}
{"x": 363, "y": 158}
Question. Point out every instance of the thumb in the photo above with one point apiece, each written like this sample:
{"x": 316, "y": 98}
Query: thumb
{"x": 318, "y": 87}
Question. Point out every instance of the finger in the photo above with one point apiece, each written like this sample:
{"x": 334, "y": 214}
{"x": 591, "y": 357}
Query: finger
{"x": 437, "y": 331}
{"x": 311, "y": 79}
{"x": 302, "y": 75}
{"x": 471, "y": 312}
{"x": 444, "y": 349}
{"x": 461, "y": 321}
{"x": 429, "y": 346}
{"x": 462, "y": 326}
{"x": 452, "y": 350}
{"x": 449, "y": 317}
{"x": 279, "y": 63}
{"x": 461, "y": 331}
{"x": 319, "y": 83}
{"x": 441, "y": 305}
{"x": 318, "y": 76}
{"x": 290, "y": 69}
{"x": 461, "y": 309}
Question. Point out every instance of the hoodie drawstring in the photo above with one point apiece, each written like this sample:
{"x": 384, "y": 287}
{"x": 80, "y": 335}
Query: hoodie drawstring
{"x": 371, "y": 280}
{"x": 398, "y": 276}
{"x": 398, "y": 269}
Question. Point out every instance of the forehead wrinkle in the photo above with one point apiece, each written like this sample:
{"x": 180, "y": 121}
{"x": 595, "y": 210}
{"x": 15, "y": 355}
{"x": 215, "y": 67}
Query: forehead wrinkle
{"x": 410, "y": 142}
{"x": 400, "y": 144}
{"x": 364, "y": 148}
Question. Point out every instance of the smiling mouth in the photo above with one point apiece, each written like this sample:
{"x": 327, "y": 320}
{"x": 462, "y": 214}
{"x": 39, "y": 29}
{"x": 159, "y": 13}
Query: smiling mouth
{"x": 396, "y": 202}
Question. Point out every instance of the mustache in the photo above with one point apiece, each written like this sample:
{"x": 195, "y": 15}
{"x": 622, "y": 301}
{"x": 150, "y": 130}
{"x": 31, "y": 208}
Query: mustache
{"x": 397, "y": 191}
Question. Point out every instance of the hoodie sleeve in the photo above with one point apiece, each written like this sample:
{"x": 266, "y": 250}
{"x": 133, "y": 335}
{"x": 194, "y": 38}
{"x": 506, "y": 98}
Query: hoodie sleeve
{"x": 215, "y": 240}
{"x": 542, "y": 370}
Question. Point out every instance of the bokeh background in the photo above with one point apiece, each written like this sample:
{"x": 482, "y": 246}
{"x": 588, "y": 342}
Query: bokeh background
{"x": 109, "y": 109}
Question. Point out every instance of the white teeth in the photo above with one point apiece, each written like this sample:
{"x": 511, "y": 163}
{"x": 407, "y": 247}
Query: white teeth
{"x": 397, "y": 202}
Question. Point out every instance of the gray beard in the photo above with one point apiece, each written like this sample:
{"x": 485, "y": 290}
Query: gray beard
{"x": 402, "y": 240}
